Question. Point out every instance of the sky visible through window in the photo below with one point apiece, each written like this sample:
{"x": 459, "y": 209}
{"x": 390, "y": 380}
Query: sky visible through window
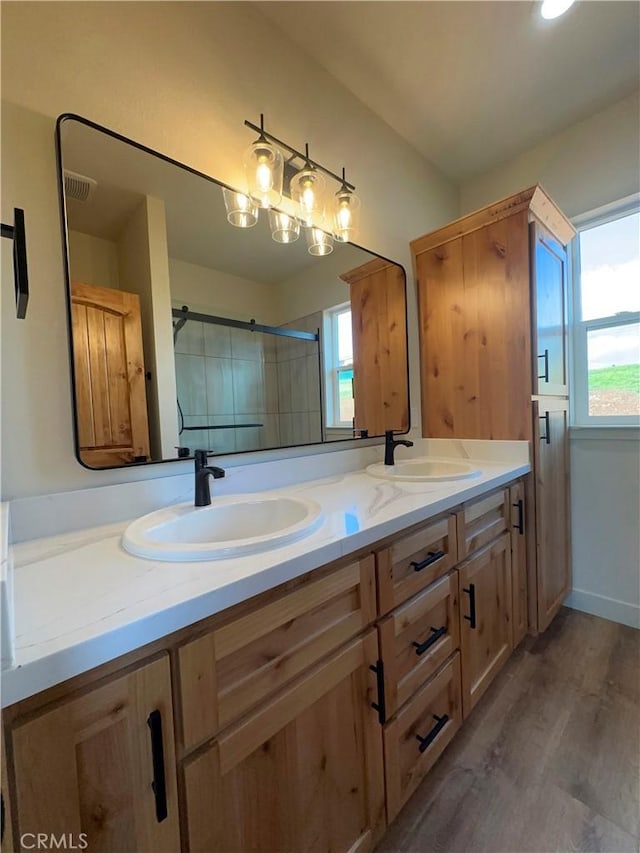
{"x": 610, "y": 286}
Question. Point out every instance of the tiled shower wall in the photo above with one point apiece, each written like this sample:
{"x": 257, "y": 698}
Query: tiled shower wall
{"x": 299, "y": 384}
{"x": 227, "y": 377}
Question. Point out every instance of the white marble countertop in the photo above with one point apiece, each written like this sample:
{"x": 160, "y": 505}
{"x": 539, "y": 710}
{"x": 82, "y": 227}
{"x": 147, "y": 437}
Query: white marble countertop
{"x": 80, "y": 600}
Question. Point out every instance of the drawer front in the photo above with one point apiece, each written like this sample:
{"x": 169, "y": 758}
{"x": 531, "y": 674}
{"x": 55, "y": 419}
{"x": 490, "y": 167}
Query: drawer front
{"x": 481, "y": 521}
{"x": 412, "y": 562}
{"x": 417, "y": 638}
{"x": 234, "y": 668}
{"x": 417, "y": 736}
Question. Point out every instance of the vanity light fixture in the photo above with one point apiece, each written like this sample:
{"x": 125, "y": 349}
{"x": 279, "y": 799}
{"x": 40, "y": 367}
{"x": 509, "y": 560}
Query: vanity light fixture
{"x": 319, "y": 242}
{"x": 554, "y": 8}
{"x": 242, "y": 210}
{"x": 264, "y": 169}
{"x": 284, "y": 228}
{"x": 346, "y": 212}
{"x": 307, "y": 189}
{"x": 304, "y": 202}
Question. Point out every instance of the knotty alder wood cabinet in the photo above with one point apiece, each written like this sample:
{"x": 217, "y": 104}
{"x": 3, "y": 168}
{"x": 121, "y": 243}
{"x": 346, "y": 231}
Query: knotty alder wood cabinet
{"x": 492, "y": 293}
{"x": 301, "y": 720}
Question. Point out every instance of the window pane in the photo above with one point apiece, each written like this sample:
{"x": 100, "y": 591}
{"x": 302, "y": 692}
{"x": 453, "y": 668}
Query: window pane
{"x": 345, "y": 339}
{"x": 345, "y": 395}
{"x": 610, "y": 268}
{"x": 614, "y": 370}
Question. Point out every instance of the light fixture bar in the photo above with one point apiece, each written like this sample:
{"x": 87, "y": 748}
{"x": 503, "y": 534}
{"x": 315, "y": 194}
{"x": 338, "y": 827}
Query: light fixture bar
{"x": 260, "y": 129}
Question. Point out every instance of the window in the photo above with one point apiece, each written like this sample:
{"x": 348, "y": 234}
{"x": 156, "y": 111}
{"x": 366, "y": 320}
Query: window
{"x": 606, "y": 259}
{"x": 339, "y": 367}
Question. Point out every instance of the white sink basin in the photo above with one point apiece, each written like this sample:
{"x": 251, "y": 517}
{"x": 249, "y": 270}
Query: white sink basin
{"x": 423, "y": 470}
{"x": 230, "y": 527}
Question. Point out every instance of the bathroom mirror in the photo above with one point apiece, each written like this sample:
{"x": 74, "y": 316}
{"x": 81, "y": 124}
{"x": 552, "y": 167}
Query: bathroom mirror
{"x": 189, "y": 333}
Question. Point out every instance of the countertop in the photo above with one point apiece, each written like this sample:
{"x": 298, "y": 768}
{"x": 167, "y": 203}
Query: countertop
{"x": 80, "y": 600}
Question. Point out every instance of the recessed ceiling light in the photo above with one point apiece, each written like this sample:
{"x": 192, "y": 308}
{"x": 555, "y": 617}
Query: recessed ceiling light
{"x": 554, "y": 8}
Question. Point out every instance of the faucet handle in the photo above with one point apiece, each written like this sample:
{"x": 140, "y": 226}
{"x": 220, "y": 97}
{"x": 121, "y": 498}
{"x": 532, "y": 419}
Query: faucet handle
{"x": 201, "y": 458}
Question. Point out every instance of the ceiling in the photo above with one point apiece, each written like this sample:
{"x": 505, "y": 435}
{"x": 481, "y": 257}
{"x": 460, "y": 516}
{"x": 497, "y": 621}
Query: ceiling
{"x": 471, "y": 84}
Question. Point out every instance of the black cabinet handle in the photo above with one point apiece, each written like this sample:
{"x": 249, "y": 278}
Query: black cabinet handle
{"x": 520, "y": 525}
{"x": 421, "y": 648}
{"x": 1, "y": 817}
{"x": 158, "y": 786}
{"x": 379, "y": 706}
{"x": 428, "y": 739}
{"x": 471, "y": 592}
{"x": 432, "y": 557}
{"x": 547, "y": 434}
{"x": 545, "y": 375}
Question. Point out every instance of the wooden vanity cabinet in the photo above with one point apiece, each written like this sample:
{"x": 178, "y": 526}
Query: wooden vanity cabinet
{"x": 551, "y": 463}
{"x": 486, "y": 639}
{"x": 103, "y": 763}
{"x": 492, "y": 294}
{"x": 302, "y": 773}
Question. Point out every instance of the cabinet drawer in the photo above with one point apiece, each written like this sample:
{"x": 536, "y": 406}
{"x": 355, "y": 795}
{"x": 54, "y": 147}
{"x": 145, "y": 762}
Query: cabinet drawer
{"x": 418, "y": 735}
{"x": 414, "y": 561}
{"x": 417, "y": 638}
{"x": 481, "y": 521}
{"x": 235, "y": 667}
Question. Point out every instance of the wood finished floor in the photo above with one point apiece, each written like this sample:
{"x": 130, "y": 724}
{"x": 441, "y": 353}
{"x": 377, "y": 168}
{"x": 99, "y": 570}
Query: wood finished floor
{"x": 549, "y": 760}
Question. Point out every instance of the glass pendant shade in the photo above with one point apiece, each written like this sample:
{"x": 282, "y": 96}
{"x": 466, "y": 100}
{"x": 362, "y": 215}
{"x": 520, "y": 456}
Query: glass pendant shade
{"x": 307, "y": 189}
{"x": 346, "y": 215}
{"x": 284, "y": 228}
{"x": 264, "y": 170}
{"x": 242, "y": 211}
{"x": 319, "y": 242}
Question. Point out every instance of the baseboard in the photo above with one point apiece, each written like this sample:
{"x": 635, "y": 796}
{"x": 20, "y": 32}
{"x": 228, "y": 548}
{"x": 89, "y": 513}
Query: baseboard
{"x": 607, "y": 608}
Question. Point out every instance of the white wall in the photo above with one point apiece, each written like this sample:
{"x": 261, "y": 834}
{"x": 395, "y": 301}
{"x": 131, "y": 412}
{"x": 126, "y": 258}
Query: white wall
{"x": 214, "y": 292}
{"x": 180, "y": 78}
{"x": 605, "y": 512}
{"x": 591, "y": 163}
{"x": 93, "y": 260}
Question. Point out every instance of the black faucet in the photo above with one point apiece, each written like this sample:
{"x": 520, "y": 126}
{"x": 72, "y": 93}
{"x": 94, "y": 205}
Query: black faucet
{"x": 203, "y": 472}
{"x": 390, "y": 446}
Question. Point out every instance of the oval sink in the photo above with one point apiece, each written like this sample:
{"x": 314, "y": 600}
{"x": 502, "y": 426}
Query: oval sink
{"x": 230, "y": 527}
{"x": 423, "y": 470}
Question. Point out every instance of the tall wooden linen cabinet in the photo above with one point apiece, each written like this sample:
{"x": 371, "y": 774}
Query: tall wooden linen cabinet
{"x": 492, "y": 294}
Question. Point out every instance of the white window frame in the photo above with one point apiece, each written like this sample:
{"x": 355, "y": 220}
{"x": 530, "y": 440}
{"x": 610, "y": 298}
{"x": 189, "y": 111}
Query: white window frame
{"x": 580, "y": 328}
{"x": 332, "y": 367}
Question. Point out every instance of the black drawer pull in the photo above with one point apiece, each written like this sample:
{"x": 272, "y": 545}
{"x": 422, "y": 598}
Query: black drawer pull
{"x": 547, "y": 434}
{"x": 471, "y": 592}
{"x": 427, "y": 740}
{"x": 520, "y": 525}
{"x": 545, "y": 375}
{"x": 379, "y": 706}
{"x": 421, "y": 648}
{"x": 432, "y": 557}
{"x": 158, "y": 786}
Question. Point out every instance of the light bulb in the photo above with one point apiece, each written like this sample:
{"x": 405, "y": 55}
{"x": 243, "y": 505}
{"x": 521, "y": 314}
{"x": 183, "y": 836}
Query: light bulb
{"x": 345, "y": 217}
{"x": 264, "y": 176}
{"x": 554, "y": 8}
{"x": 264, "y": 170}
{"x": 307, "y": 188}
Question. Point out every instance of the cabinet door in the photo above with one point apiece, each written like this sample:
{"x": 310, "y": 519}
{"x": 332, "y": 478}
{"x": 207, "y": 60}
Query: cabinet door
{"x": 103, "y": 764}
{"x": 551, "y": 456}
{"x": 485, "y": 624}
{"x": 475, "y": 333}
{"x": 518, "y": 561}
{"x": 548, "y": 296}
{"x": 304, "y": 773}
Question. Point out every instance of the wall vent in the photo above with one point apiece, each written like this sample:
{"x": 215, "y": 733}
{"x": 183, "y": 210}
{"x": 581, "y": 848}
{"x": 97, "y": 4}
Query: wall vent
{"x": 78, "y": 186}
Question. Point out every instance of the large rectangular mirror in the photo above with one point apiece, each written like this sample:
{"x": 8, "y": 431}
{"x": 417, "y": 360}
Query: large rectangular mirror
{"x": 188, "y": 333}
